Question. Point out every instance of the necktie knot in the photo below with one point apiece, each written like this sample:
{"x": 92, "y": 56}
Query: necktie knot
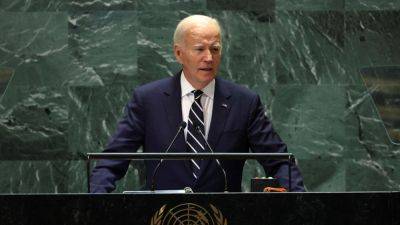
{"x": 197, "y": 93}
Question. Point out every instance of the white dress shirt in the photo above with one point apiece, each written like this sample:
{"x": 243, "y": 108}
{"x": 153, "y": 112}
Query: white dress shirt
{"x": 207, "y": 100}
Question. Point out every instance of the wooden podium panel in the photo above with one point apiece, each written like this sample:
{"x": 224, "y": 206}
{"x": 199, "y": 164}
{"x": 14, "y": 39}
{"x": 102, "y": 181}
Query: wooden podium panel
{"x": 379, "y": 208}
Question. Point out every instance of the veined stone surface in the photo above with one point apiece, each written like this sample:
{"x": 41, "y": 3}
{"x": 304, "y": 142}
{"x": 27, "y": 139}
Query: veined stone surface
{"x": 70, "y": 67}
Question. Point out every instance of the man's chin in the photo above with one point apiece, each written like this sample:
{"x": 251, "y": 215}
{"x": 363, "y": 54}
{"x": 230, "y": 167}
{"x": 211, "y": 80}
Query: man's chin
{"x": 210, "y": 74}
{"x": 207, "y": 78}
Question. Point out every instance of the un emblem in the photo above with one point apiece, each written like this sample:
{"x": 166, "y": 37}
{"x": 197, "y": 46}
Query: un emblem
{"x": 188, "y": 214}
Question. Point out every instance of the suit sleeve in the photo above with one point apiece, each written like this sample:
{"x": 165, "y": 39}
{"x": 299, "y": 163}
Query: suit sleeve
{"x": 263, "y": 139}
{"x": 128, "y": 137}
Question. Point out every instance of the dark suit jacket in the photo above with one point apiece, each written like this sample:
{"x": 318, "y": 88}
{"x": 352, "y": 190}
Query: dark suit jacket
{"x": 152, "y": 118}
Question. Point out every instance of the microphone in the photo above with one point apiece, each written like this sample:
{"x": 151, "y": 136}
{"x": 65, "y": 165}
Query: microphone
{"x": 197, "y": 127}
{"x": 182, "y": 126}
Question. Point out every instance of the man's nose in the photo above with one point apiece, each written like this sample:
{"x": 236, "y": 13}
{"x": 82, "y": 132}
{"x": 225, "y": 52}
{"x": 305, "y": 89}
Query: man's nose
{"x": 208, "y": 56}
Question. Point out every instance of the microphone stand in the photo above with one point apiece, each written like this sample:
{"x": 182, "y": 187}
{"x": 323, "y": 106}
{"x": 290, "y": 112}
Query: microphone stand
{"x": 153, "y": 180}
{"x": 219, "y": 164}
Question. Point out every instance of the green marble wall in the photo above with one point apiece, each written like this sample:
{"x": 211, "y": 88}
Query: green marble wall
{"x": 70, "y": 66}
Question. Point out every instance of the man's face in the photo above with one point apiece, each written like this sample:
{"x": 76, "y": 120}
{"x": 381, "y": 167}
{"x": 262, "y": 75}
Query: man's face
{"x": 200, "y": 54}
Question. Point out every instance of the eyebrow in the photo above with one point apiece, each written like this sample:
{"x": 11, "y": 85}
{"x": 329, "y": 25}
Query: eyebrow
{"x": 217, "y": 44}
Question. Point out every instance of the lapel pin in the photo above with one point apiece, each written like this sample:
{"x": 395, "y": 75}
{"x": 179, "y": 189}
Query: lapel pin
{"x": 224, "y": 105}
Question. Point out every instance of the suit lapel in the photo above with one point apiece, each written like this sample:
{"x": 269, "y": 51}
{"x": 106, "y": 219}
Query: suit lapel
{"x": 220, "y": 112}
{"x": 221, "y": 108}
{"x": 172, "y": 104}
{"x": 173, "y": 108}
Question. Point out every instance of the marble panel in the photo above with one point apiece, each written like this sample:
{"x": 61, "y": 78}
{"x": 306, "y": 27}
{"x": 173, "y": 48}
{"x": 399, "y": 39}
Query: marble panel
{"x": 324, "y": 173}
{"x": 371, "y": 175}
{"x": 93, "y": 115}
{"x": 371, "y": 132}
{"x": 372, "y": 165}
{"x": 105, "y": 42}
{"x": 371, "y": 39}
{"x": 65, "y": 5}
{"x": 226, "y": 5}
{"x": 35, "y": 47}
{"x": 311, "y": 120}
{"x": 170, "y": 5}
{"x": 30, "y": 6}
{"x": 57, "y": 176}
{"x": 249, "y": 5}
{"x": 310, "y": 5}
{"x": 372, "y": 5}
{"x": 383, "y": 84}
{"x": 310, "y": 48}
{"x": 156, "y": 58}
{"x": 33, "y": 124}
{"x": 103, "y": 5}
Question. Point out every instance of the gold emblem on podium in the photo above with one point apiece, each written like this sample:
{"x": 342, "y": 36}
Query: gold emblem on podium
{"x": 188, "y": 214}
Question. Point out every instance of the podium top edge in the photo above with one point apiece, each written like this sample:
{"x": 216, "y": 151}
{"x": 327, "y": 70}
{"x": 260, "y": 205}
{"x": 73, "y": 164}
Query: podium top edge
{"x": 237, "y": 156}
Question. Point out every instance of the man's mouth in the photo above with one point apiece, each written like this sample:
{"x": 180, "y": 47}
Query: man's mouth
{"x": 206, "y": 69}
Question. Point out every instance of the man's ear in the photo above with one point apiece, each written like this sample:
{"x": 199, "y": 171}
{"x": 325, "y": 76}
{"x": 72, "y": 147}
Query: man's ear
{"x": 178, "y": 53}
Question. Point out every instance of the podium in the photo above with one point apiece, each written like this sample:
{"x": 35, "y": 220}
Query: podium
{"x": 368, "y": 208}
{"x": 355, "y": 208}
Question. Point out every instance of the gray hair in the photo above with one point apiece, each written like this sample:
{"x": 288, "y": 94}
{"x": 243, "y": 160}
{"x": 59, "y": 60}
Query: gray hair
{"x": 183, "y": 26}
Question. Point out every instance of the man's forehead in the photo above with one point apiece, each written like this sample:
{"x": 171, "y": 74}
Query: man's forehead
{"x": 200, "y": 34}
{"x": 202, "y": 28}
{"x": 203, "y": 34}
{"x": 201, "y": 42}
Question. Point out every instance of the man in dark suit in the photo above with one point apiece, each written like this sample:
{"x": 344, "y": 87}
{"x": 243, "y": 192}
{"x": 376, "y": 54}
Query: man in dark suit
{"x": 230, "y": 117}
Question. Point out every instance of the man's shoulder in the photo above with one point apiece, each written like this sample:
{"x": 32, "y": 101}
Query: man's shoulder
{"x": 160, "y": 84}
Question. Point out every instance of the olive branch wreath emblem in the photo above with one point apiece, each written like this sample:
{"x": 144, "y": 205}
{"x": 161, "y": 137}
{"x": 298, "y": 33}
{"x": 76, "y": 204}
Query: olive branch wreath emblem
{"x": 158, "y": 216}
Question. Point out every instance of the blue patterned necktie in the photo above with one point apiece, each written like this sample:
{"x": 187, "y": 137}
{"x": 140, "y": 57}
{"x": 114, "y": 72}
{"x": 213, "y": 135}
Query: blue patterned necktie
{"x": 195, "y": 141}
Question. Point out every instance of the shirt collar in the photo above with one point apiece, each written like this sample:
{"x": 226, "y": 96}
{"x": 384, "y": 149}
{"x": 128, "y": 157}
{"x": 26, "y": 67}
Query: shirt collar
{"x": 187, "y": 88}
